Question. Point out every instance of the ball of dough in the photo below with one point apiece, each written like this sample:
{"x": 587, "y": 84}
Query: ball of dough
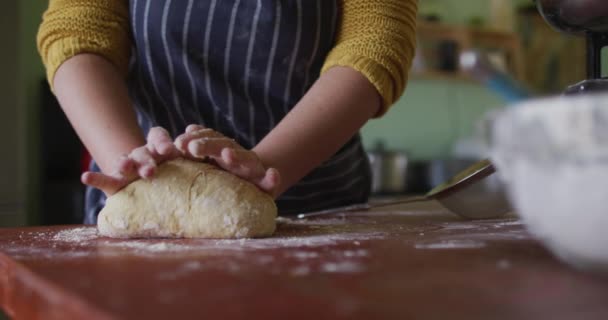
{"x": 188, "y": 199}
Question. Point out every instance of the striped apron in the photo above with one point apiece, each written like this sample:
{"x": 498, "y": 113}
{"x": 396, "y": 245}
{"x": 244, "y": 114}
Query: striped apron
{"x": 238, "y": 66}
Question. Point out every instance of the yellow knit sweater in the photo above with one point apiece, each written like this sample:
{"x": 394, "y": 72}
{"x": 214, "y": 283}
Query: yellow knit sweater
{"x": 375, "y": 37}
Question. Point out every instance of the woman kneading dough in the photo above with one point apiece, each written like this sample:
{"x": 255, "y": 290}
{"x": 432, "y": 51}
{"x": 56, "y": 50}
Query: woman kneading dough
{"x": 224, "y": 106}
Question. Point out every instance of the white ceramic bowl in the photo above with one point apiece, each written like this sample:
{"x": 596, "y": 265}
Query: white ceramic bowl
{"x": 553, "y": 155}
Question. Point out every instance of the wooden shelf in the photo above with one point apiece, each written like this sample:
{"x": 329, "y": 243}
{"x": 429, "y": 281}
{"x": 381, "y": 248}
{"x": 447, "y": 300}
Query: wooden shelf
{"x": 468, "y": 38}
{"x": 439, "y": 30}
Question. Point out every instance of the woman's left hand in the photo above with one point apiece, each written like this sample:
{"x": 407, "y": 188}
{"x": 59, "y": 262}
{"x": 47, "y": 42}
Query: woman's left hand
{"x": 200, "y": 143}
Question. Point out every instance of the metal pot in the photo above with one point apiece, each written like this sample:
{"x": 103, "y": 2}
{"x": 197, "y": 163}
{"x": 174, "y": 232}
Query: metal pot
{"x": 376, "y": 163}
{"x": 394, "y": 172}
{"x": 389, "y": 171}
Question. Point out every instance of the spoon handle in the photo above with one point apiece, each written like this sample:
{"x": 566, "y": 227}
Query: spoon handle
{"x": 360, "y": 207}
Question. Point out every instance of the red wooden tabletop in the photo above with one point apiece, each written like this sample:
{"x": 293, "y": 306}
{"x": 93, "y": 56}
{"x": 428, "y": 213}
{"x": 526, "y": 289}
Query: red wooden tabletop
{"x": 415, "y": 261}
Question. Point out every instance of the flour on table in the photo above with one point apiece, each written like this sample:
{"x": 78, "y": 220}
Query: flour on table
{"x": 451, "y": 244}
{"x": 503, "y": 264}
{"x": 183, "y": 270}
{"x": 301, "y": 247}
{"x": 88, "y": 236}
{"x": 77, "y": 235}
{"x": 342, "y": 267}
{"x": 459, "y": 226}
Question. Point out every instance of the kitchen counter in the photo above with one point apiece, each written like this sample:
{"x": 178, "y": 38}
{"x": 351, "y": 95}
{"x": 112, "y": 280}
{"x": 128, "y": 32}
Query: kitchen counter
{"x": 412, "y": 261}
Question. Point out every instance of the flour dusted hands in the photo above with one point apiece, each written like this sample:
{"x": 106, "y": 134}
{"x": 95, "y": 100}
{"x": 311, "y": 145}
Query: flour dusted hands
{"x": 139, "y": 163}
{"x": 200, "y": 143}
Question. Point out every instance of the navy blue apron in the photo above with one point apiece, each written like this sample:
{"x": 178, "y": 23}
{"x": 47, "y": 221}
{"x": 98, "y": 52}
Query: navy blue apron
{"x": 238, "y": 66}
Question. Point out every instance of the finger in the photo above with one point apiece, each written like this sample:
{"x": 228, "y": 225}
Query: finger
{"x": 159, "y": 141}
{"x": 194, "y": 127}
{"x": 146, "y": 165}
{"x": 210, "y": 147}
{"x": 243, "y": 163}
{"x": 270, "y": 182}
{"x": 126, "y": 166}
{"x": 109, "y": 185}
{"x": 147, "y": 171}
{"x": 182, "y": 141}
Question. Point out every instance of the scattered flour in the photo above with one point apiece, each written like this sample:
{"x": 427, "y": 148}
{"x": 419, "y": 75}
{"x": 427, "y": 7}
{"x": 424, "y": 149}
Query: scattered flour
{"x": 227, "y": 255}
{"x": 303, "y": 255}
{"x": 503, "y": 264}
{"x": 297, "y": 242}
{"x": 77, "y": 235}
{"x": 301, "y": 270}
{"x": 183, "y": 270}
{"x": 451, "y": 244}
{"x": 459, "y": 226}
{"x": 479, "y": 225}
{"x": 317, "y": 222}
{"x": 508, "y": 224}
{"x": 224, "y": 254}
{"x": 355, "y": 253}
{"x": 146, "y": 246}
{"x": 340, "y": 239}
{"x": 86, "y": 235}
{"x": 342, "y": 267}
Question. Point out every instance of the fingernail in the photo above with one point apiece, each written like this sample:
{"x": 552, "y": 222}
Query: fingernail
{"x": 147, "y": 172}
{"x": 178, "y": 146}
{"x": 163, "y": 149}
{"x": 196, "y": 147}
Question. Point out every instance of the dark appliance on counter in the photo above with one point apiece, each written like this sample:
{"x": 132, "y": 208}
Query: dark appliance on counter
{"x": 587, "y": 18}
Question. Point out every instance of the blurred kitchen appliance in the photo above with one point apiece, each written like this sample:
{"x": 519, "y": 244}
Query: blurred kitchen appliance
{"x": 389, "y": 170}
{"x": 478, "y": 65}
{"x": 588, "y": 18}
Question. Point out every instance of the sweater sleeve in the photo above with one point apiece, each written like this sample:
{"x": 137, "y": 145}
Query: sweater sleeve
{"x": 378, "y": 39}
{"x": 71, "y": 27}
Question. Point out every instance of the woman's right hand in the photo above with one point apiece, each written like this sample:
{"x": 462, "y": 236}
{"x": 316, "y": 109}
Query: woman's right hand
{"x": 139, "y": 163}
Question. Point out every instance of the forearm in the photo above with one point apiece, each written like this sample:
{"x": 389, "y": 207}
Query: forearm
{"x": 94, "y": 96}
{"x": 332, "y": 111}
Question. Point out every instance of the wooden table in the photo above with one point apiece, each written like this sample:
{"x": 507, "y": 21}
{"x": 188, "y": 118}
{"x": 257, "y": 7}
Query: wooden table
{"x": 411, "y": 262}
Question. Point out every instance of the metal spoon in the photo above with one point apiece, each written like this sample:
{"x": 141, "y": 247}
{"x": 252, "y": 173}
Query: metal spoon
{"x": 460, "y": 194}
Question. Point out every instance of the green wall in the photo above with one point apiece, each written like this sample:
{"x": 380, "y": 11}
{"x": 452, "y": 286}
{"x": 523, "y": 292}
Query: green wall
{"x": 31, "y": 72}
{"x": 12, "y": 188}
{"x": 461, "y": 11}
{"x": 19, "y": 100}
{"x": 430, "y": 117}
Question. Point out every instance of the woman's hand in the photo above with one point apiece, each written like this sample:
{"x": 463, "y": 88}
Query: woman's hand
{"x": 201, "y": 143}
{"x": 140, "y": 163}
